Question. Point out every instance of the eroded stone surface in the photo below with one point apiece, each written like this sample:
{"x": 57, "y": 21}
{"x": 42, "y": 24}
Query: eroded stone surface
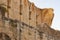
{"x": 22, "y": 20}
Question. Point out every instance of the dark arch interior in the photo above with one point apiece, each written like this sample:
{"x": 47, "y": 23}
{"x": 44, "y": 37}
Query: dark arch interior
{"x": 2, "y": 11}
{"x": 4, "y": 36}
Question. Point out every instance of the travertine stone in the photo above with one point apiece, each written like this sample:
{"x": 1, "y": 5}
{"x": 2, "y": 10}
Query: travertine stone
{"x": 39, "y": 16}
{"x": 45, "y": 16}
{"x": 22, "y": 20}
{"x": 32, "y": 15}
{"x": 48, "y": 16}
{"x": 25, "y": 16}
{"x": 14, "y": 12}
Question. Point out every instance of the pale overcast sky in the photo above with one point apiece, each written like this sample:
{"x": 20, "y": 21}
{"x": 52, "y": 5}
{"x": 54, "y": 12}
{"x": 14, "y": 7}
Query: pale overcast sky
{"x": 55, "y": 4}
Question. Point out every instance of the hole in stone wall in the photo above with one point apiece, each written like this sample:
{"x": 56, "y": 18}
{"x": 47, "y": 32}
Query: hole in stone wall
{"x": 20, "y": 9}
{"x": 29, "y": 15}
{"x": 29, "y": 33}
{"x": 20, "y": 30}
{"x": 20, "y": 13}
{"x": 13, "y": 23}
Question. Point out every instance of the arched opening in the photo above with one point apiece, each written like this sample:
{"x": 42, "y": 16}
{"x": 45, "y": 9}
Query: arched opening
{"x": 2, "y": 12}
{"x": 4, "y": 36}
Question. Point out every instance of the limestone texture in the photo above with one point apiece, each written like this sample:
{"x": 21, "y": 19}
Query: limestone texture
{"x": 22, "y": 20}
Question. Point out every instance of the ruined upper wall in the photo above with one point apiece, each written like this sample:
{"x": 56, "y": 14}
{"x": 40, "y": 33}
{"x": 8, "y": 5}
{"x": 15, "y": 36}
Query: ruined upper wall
{"x": 27, "y": 12}
{"x": 44, "y": 15}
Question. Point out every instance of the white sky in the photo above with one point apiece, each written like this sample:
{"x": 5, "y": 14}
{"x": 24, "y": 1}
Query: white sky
{"x": 55, "y": 4}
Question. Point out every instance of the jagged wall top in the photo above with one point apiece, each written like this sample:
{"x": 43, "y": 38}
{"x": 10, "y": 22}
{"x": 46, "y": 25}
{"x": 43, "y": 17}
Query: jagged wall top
{"x": 28, "y": 10}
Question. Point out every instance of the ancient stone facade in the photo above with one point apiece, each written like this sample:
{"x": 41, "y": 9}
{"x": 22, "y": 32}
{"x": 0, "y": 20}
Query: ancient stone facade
{"x": 22, "y": 20}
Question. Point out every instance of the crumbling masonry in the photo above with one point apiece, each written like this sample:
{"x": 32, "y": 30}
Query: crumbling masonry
{"x": 22, "y": 20}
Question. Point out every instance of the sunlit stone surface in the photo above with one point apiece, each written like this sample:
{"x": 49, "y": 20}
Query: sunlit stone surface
{"x": 22, "y": 20}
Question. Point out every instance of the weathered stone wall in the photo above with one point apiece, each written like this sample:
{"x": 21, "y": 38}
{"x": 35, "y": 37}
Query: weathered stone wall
{"x": 22, "y": 20}
{"x": 26, "y": 11}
